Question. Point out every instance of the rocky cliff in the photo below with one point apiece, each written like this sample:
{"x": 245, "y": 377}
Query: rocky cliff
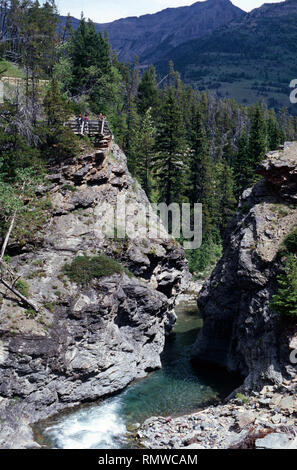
{"x": 240, "y": 329}
{"x": 89, "y": 339}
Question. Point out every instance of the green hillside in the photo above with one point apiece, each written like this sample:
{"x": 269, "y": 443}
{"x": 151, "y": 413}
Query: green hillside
{"x": 251, "y": 58}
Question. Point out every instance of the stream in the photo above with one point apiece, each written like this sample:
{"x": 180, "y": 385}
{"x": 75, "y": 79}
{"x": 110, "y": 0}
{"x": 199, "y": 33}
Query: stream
{"x": 178, "y": 388}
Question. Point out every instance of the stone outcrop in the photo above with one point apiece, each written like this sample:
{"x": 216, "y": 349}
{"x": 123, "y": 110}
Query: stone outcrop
{"x": 88, "y": 341}
{"x": 265, "y": 420}
{"x": 240, "y": 330}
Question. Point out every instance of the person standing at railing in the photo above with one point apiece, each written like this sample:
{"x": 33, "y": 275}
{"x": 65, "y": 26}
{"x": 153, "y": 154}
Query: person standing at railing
{"x": 86, "y": 123}
{"x": 79, "y": 122}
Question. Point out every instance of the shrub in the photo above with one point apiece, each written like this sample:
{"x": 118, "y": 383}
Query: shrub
{"x": 205, "y": 256}
{"x": 291, "y": 242}
{"x": 23, "y": 287}
{"x": 240, "y": 396}
{"x": 85, "y": 268}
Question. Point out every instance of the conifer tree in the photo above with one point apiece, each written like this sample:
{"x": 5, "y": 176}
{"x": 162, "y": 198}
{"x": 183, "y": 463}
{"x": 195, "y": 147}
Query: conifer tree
{"x": 145, "y": 151}
{"x": 130, "y": 142}
{"x": 147, "y": 91}
{"x": 199, "y": 148}
{"x": 258, "y": 138}
{"x": 241, "y": 165}
{"x": 274, "y": 133}
{"x": 90, "y": 57}
{"x": 226, "y": 201}
{"x": 169, "y": 161}
{"x": 284, "y": 301}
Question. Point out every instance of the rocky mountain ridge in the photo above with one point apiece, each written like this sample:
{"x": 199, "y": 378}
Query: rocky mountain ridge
{"x": 150, "y": 37}
{"x": 229, "y": 62}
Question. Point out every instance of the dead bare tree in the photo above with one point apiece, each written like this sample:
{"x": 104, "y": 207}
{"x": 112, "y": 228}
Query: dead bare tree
{"x": 8, "y": 277}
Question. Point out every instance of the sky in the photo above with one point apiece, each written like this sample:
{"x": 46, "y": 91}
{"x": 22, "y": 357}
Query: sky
{"x": 103, "y": 11}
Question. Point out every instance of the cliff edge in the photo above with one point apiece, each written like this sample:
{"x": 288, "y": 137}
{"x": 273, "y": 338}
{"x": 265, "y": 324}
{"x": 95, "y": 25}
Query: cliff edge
{"x": 91, "y": 336}
{"x": 241, "y": 331}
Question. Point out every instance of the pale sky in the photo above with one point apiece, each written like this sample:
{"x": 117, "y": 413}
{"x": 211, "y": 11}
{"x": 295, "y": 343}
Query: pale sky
{"x": 102, "y": 11}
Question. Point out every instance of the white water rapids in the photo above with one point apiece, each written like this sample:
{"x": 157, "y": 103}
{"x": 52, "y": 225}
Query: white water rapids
{"x": 96, "y": 427}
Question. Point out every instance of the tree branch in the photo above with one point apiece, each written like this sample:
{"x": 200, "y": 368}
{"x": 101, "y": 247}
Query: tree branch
{"x": 18, "y": 294}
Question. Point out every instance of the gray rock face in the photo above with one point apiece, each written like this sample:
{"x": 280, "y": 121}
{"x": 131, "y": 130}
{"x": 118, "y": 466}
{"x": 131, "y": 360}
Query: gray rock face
{"x": 85, "y": 342}
{"x": 240, "y": 330}
{"x": 275, "y": 440}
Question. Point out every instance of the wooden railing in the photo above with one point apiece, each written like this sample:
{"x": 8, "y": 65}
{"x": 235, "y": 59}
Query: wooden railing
{"x": 91, "y": 128}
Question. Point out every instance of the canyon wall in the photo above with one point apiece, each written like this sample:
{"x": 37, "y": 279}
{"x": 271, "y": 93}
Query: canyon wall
{"x": 241, "y": 331}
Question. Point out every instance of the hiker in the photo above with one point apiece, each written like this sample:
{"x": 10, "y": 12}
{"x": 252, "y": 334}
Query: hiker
{"x": 86, "y": 123}
{"x": 79, "y": 121}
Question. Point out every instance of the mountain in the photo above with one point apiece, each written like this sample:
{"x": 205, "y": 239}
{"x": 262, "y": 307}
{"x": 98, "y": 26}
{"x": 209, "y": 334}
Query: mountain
{"x": 251, "y": 57}
{"x": 151, "y": 37}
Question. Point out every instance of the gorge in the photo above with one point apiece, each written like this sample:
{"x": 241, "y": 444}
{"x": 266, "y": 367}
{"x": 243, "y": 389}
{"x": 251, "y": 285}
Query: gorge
{"x": 101, "y": 337}
{"x": 114, "y": 336}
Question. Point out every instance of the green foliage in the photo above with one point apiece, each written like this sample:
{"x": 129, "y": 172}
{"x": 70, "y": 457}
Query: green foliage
{"x": 240, "y": 396}
{"x": 284, "y": 301}
{"x": 10, "y": 70}
{"x": 50, "y": 307}
{"x": 145, "y": 151}
{"x": 23, "y": 287}
{"x": 241, "y": 60}
{"x": 182, "y": 145}
{"x": 84, "y": 269}
{"x": 90, "y": 57}
{"x": 33, "y": 220}
{"x": 15, "y": 153}
{"x": 291, "y": 242}
{"x": 258, "y": 137}
{"x": 204, "y": 257}
{"x": 147, "y": 93}
{"x": 168, "y": 162}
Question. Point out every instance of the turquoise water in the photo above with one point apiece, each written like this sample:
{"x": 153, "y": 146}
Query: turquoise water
{"x": 178, "y": 388}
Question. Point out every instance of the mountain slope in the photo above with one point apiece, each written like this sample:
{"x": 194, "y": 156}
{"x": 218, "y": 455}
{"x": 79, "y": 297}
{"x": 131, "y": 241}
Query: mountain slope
{"x": 151, "y": 37}
{"x": 253, "y": 56}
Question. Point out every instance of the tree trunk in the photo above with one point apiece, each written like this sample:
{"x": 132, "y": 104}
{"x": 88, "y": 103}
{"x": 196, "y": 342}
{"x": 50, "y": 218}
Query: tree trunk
{"x": 8, "y": 235}
{"x": 18, "y": 294}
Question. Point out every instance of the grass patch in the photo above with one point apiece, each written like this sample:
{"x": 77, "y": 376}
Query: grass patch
{"x": 50, "y": 307}
{"x": 23, "y": 287}
{"x": 84, "y": 269}
{"x": 240, "y": 396}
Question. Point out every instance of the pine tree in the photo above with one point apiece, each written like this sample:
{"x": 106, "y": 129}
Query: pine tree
{"x": 258, "y": 138}
{"x": 145, "y": 151}
{"x": 284, "y": 301}
{"x": 147, "y": 91}
{"x": 274, "y": 133}
{"x": 56, "y": 139}
{"x": 224, "y": 194}
{"x": 130, "y": 142}
{"x": 199, "y": 148}
{"x": 241, "y": 165}
{"x": 90, "y": 57}
{"x": 169, "y": 161}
